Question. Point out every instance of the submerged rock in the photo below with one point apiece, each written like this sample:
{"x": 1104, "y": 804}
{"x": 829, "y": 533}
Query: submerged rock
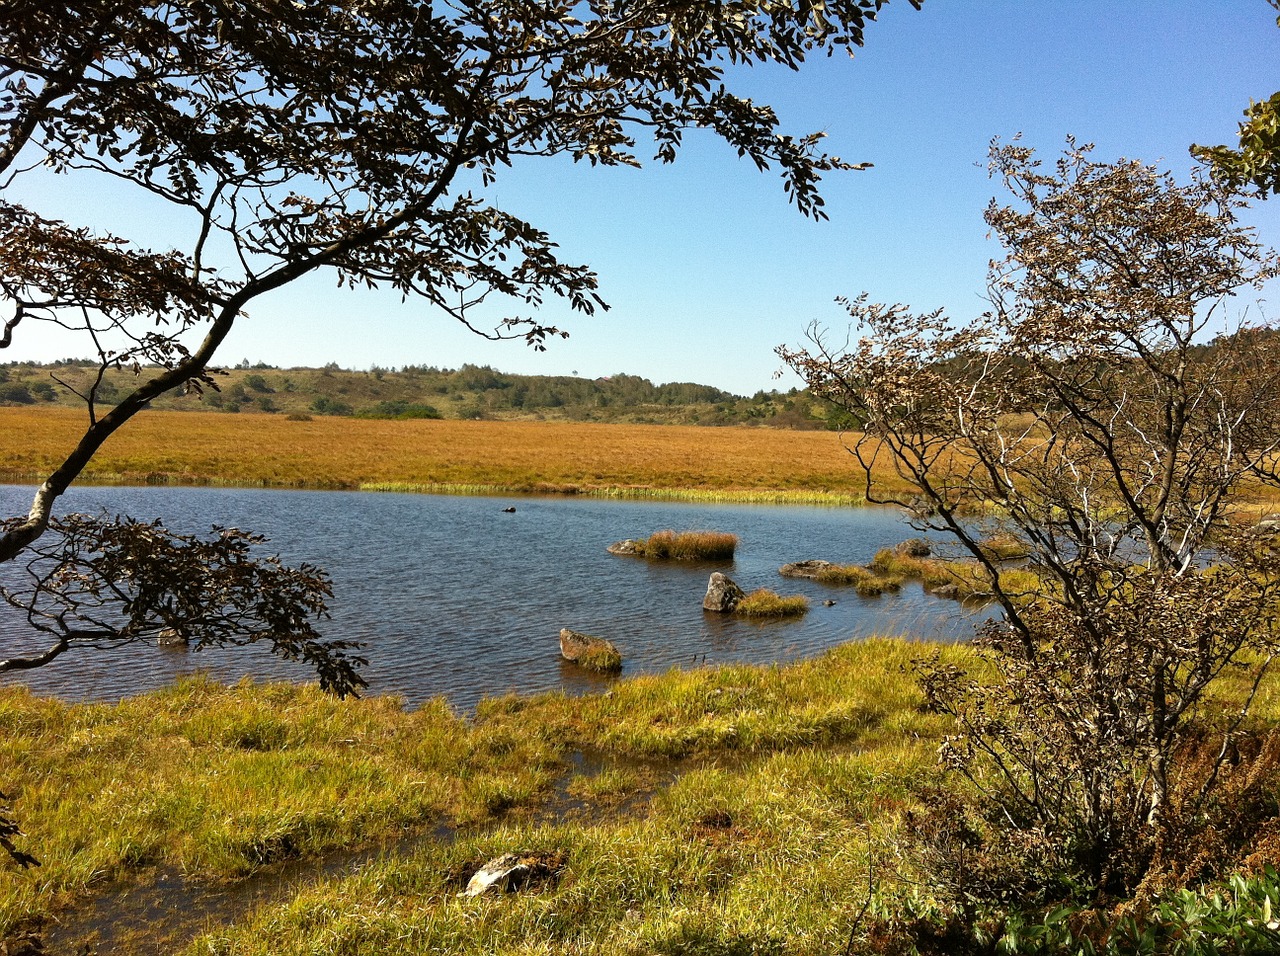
{"x": 172, "y": 637}
{"x": 723, "y": 594}
{"x": 592, "y": 653}
{"x": 805, "y": 569}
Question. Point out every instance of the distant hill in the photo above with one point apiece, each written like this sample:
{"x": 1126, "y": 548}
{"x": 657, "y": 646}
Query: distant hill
{"x": 472, "y": 391}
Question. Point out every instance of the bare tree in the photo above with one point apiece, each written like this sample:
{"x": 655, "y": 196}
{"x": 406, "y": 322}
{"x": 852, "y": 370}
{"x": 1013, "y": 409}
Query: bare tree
{"x": 1107, "y": 413}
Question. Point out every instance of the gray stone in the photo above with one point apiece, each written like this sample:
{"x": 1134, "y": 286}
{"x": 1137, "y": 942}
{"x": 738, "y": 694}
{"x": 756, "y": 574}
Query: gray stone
{"x": 172, "y": 637}
{"x": 625, "y": 547}
{"x": 722, "y": 594}
{"x": 914, "y": 548}
{"x": 593, "y": 653}
{"x": 503, "y": 873}
{"x": 805, "y": 569}
{"x": 516, "y": 871}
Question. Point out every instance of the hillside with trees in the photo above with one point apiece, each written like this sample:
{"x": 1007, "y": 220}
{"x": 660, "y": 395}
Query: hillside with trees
{"x": 418, "y": 391}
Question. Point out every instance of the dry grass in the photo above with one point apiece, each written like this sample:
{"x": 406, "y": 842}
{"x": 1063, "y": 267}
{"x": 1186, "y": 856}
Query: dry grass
{"x": 476, "y": 456}
{"x": 766, "y": 603}
{"x": 688, "y": 546}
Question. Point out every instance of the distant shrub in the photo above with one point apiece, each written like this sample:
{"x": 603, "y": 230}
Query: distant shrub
{"x": 689, "y": 546}
{"x": 258, "y": 384}
{"x": 298, "y": 417}
{"x": 327, "y": 406}
{"x": 17, "y": 393}
{"x": 44, "y": 391}
{"x": 766, "y": 603}
{"x": 400, "y": 409}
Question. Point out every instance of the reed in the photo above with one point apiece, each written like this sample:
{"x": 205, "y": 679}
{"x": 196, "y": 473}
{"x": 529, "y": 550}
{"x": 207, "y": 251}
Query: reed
{"x": 764, "y": 603}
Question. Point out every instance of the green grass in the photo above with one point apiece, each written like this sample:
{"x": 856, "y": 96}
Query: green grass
{"x": 764, "y": 603}
{"x": 602, "y": 658}
{"x": 219, "y": 782}
{"x": 867, "y": 582}
{"x": 797, "y": 781}
{"x": 968, "y": 578}
{"x": 783, "y": 802}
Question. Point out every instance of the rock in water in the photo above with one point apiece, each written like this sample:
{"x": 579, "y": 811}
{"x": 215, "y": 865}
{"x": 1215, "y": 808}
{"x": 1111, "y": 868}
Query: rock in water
{"x": 722, "y": 594}
{"x": 172, "y": 637}
{"x": 805, "y": 569}
{"x": 630, "y": 546}
{"x": 592, "y": 653}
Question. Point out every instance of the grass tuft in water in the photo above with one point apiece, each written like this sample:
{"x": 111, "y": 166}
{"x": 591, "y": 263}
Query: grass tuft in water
{"x": 765, "y": 603}
{"x": 864, "y": 580}
{"x": 682, "y": 546}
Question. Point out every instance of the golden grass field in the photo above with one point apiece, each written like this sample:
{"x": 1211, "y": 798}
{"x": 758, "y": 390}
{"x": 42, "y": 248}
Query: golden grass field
{"x": 477, "y": 456}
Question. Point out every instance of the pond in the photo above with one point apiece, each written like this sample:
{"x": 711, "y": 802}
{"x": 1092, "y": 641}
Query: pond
{"x": 456, "y": 596}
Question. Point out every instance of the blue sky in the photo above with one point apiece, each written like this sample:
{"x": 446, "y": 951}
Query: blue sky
{"x": 706, "y": 265}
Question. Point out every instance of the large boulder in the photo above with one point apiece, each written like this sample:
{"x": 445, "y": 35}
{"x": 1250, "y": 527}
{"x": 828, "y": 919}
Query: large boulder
{"x": 722, "y": 594}
{"x": 591, "y": 653}
{"x": 805, "y": 569}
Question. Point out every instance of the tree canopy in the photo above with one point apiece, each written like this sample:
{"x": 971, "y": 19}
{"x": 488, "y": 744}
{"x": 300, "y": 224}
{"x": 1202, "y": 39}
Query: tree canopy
{"x": 1255, "y": 162}
{"x": 288, "y": 137}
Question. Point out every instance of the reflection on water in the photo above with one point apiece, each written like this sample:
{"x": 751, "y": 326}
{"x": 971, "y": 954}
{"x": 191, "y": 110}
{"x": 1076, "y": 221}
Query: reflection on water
{"x": 455, "y": 596}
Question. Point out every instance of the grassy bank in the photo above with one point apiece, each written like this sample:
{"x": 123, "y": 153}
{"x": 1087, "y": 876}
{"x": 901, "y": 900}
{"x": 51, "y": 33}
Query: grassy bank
{"x": 725, "y": 810}
{"x": 460, "y": 456}
{"x": 220, "y": 782}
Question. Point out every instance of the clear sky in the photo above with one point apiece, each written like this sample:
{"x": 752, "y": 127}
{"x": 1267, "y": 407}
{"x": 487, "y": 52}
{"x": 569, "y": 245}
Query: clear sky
{"x": 706, "y": 265}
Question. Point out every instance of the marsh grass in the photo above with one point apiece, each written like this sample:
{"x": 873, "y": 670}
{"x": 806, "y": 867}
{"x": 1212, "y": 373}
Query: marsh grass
{"x": 864, "y": 580}
{"x": 800, "y": 780}
{"x": 218, "y": 782}
{"x": 689, "y": 546}
{"x": 967, "y": 577}
{"x": 675, "y": 462}
{"x": 601, "y": 657}
{"x": 1004, "y": 546}
{"x": 764, "y": 603}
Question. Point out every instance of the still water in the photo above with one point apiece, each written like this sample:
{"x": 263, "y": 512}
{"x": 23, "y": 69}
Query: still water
{"x": 455, "y": 597}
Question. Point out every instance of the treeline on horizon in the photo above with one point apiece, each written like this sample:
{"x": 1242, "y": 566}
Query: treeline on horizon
{"x": 419, "y": 391}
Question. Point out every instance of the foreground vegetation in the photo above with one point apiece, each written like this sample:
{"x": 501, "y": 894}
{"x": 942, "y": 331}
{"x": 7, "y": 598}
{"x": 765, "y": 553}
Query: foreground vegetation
{"x": 777, "y": 812}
